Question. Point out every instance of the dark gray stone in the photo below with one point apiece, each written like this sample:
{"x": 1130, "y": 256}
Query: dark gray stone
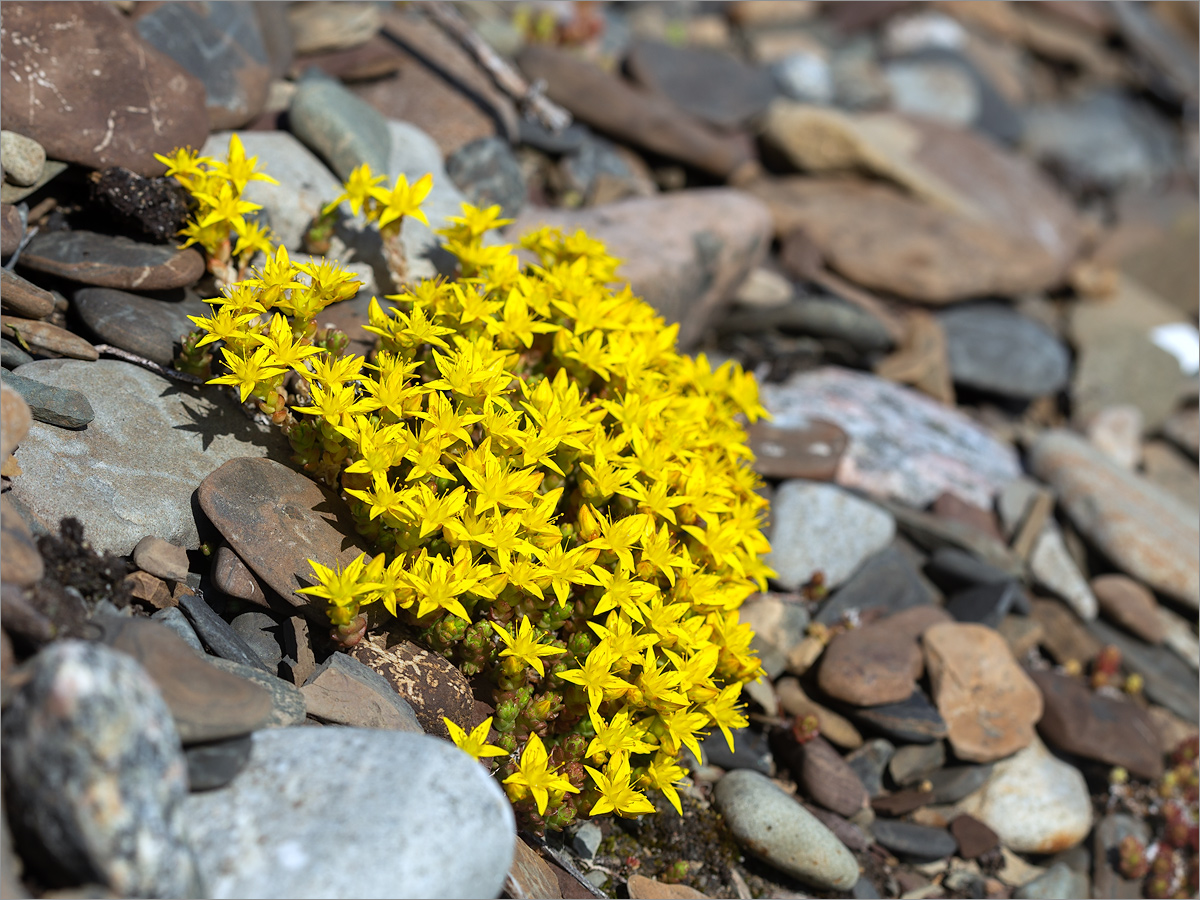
{"x": 263, "y": 634}
{"x": 218, "y": 635}
{"x": 911, "y": 764}
{"x": 869, "y": 763}
{"x": 536, "y": 135}
{"x": 287, "y": 703}
{"x": 596, "y": 156}
{"x": 917, "y": 842}
{"x": 952, "y": 784}
{"x": 1059, "y": 882}
{"x": 149, "y": 328}
{"x": 174, "y": 619}
{"x": 988, "y": 604}
{"x": 63, "y": 407}
{"x": 115, "y": 262}
{"x": 1169, "y": 681}
{"x": 913, "y": 721}
{"x": 887, "y": 581}
{"x": 820, "y": 316}
{"x": 337, "y": 125}
{"x": 993, "y": 348}
{"x": 864, "y": 889}
{"x": 217, "y": 763}
{"x": 750, "y": 751}
{"x": 11, "y": 355}
{"x": 487, "y": 171}
{"x": 954, "y": 570}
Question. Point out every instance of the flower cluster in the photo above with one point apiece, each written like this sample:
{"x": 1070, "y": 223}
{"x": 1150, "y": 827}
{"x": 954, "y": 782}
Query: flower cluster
{"x": 560, "y": 502}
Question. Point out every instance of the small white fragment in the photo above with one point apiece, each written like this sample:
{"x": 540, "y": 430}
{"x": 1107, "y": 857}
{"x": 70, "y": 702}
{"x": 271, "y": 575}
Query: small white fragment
{"x": 1182, "y": 341}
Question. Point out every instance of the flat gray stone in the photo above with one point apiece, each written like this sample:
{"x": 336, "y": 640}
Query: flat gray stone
{"x": 339, "y": 126}
{"x": 63, "y": 407}
{"x": 287, "y": 703}
{"x": 888, "y": 580}
{"x": 419, "y": 818}
{"x": 994, "y": 348}
{"x": 132, "y": 472}
{"x": 141, "y": 325}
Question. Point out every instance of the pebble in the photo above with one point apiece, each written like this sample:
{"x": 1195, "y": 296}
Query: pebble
{"x": 1152, "y": 536}
{"x": 988, "y": 702}
{"x": 95, "y": 776}
{"x": 45, "y": 337}
{"x": 951, "y": 507}
{"x": 162, "y": 558}
{"x": 996, "y": 349}
{"x": 613, "y": 106}
{"x": 263, "y": 635}
{"x": 11, "y": 193}
{"x": 234, "y": 577}
{"x": 218, "y": 635}
{"x": 586, "y": 840}
{"x": 821, "y": 528}
{"x": 919, "y": 842}
{"x": 869, "y": 762}
{"x": 1022, "y": 633}
{"x": 223, "y": 47}
{"x": 903, "y": 445}
{"x": 267, "y": 513}
{"x": 931, "y": 532}
{"x": 344, "y": 691}
{"x": 764, "y": 288}
{"x": 16, "y": 418}
{"x": 901, "y": 803}
{"x": 709, "y": 84}
{"x": 685, "y": 253}
{"x": 11, "y": 355}
{"x": 206, "y": 704}
{"x": 103, "y": 96}
{"x": 177, "y": 434}
{"x": 215, "y": 764}
{"x": 337, "y": 125}
{"x": 640, "y": 887}
{"x": 173, "y": 618}
{"x": 600, "y": 172}
{"x": 779, "y": 625}
{"x": 324, "y": 27}
{"x": 417, "y": 802}
{"x": 955, "y": 570}
{"x": 1034, "y": 801}
{"x": 430, "y": 684}
{"x": 911, "y": 721}
{"x": 532, "y": 875}
{"x": 1059, "y": 883}
{"x": 812, "y": 451}
{"x": 12, "y": 230}
{"x": 827, "y": 778}
{"x": 1064, "y": 636}
{"x": 20, "y": 562}
{"x": 61, "y": 407}
{"x": 488, "y": 174}
{"x": 23, "y": 158}
{"x": 1087, "y": 724}
{"x": 1183, "y": 427}
{"x": 1179, "y": 635}
{"x": 973, "y": 837}
{"x": 1169, "y": 681}
{"x": 1116, "y": 431}
{"x": 818, "y": 315}
{"x": 909, "y": 765}
{"x": 875, "y": 664}
{"x": 1107, "y": 880}
{"x": 987, "y": 604}
{"x": 833, "y": 727}
{"x": 772, "y": 826}
{"x": 110, "y": 261}
{"x": 805, "y": 75}
{"x": 1130, "y": 605}
{"x": 287, "y": 703}
{"x": 141, "y": 325}
{"x": 1166, "y": 467}
{"x": 934, "y": 88}
{"x": 887, "y": 581}
{"x": 24, "y": 298}
{"x": 951, "y": 784}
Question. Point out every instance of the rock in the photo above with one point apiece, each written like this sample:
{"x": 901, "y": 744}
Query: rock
{"x": 95, "y": 777}
{"x": 1063, "y": 634}
{"x": 1172, "y": 471}
{"x": 149, "y": 328}
{"x": 429, "y": 683}
{"x": 343, "y": 129}
{"x": 1116, "y": 431}
{"x": 20, "y": 562}
{"x": 82, "y": 83}
{"x": 778, "y": 624}
{"x": 267, "y": 513}
{"x": 931, "y": 533}
{"x": 1060, "y": 881}
{"x": 887, "y": 581}
{"x": 989, "y": 703}
{"x": 1129, "y": 605}
{"x": 973, "y": 837}
{"x": 708, "y": 84}
{"x": 987, "y": 604}
{"x": 901, "y": 803}
{"x": 23, "y": 298}
{"x": 869, "y": 762}
{"x": 1183, "y": 427}
{"x": 23, "y": 158}
{"x": 215, "y": 764}
{"x": 263, "y": 636}
{"x": 877, "y": 663}
{"x": 1169, "y": 680}
{"x": 150, "y": 588}
{"x": 806, "y": 516}
{"x": 234, "y": 577}
{"x": 223, "y": 47}
{"x": 775, "y": 828}
{"x": 421, "y": 798}
{"x": 903, "y": 445}
{"x": 1035, "y": 802}
{"x": 933, "y": 88}
{"x": 61, "y": 407}
{"x": 996, "y": 349}
{"x": 640, "y": 887}
{"x": 844, "y": 830}
{"x": 832, "y": 726}
{"x": 804, "y": 75}
{"x": 287, "y": 703}
{"x": 1107, "y": 880}
{"x": 914, "y": 841}
{"x": 1179, "y": 635}
{"x": 12, "y": 230}
{"x": 1114, "y": 732}
{"x": 16, "y": 418}
{"x": 1022, "y": 633}
{"x": 43, "y": 337}
{"x": 206, "y": 704}
{"x": 533, "y": 876}
{"x": 812, "y": 451}
{"x": 826, "y": 778}
{"x": 115, "y": 262}
{"x": 909, "y": 765}
{"x": 911, "y": 721}
{"x": 345, "y": 692}
{"x": 328, "y": 26}
{"x": 178, "y": 435}
{"x": 172, "y": 617}
{"x": 11, "y": 355}
{"x": 1149, "y": 534}
{"x": 218, "y": 635}
{"x": 601, "y": 172}
{"x": 685, "y": 253}
{"x": 1051, "y": 567}
{"x": 586, "y": 840}
{"x": 611, "y": 105}
{"x": 162, "y": 558}
{"x": 817, "y": 315}
{"x": 488, "y": 173}
{"x": 11, "y": 193}
{"x": 951, "y": 784}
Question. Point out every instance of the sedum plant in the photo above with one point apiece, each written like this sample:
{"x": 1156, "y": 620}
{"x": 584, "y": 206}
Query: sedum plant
{"x": 559, "y": 502}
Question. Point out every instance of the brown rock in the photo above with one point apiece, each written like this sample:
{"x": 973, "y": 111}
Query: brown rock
{"x": 951, "y": 506}
{"x": 11, "y": 230}
{"x": 530, "y": 875}
{"x": 114, "y": 262}
{"x": 20, "y": 562}
{"x": 684, "y": 253}
{"x": 833, "y": 727}
{"x": 234, "y": 577}
{"x": 325, "y": 26}
{"x": 44, "y": 337}
{"x": 23, "y": 298}
{"x": 431, "y": 684}
{"x": 1022, "y": 633}
{"x": 901, "y": 803}
{"x": 1063, "y": 634}
{"x": 974, "y": 838}
{"x": 826, "y": 777}
{"x": 1147, "y": 533}
{"x": 79, "y": 80}
{"x": 342, "y": 690}
{"x": 653, "y": 123}
{"x": 15, "y": 419}
{"x": 1183, "y": 427}
{"x": 1172, "y": 730}
{"x": 922, "y": 359}
{"x": 987, "y": 700}
{"x": 870, "y": 666}
{"x": 1129, "y": 605}
{"x": 1166, "y": 467}
{"x": 642, "y": 888}
{"x": 162, "y": 558}
{"x": 150, "y": 588}
{"x": 812, "y": 452}
{"x": 1114, "y": 732}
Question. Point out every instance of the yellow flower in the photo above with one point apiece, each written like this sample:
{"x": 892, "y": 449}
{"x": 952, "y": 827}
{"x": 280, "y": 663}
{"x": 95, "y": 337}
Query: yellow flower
{"x": 475, "y": 744}
{"x": 185, "y": 165}
{"x": 247, "y": 372}
{"x": 533, "y": 775}
{"x": 224, "y": 206}
{"x": 344, "y": 588}
{"x": 616, "y": 793}
{"x": 524, "y": 647}
{"x": 357, "y": 189}
{"x": 238, "y": 169}
{"x": 664, "y": 773}
{"x": 402, "y": 200}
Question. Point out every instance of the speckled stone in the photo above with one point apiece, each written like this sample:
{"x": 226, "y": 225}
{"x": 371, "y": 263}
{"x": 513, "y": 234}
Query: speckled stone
{"x": 115, "y": 262}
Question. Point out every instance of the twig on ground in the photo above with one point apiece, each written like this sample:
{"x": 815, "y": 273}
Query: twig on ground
{"x": 109, "y": 350}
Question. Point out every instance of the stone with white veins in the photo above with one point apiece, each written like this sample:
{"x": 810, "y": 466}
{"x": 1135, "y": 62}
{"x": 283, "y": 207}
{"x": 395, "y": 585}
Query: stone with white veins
{"x": 414, "y": 817}
{"x": 820, "y": 527}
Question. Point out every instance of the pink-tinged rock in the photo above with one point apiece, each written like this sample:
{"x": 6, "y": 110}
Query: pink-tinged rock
{"x": 903, "y": 445}
{"x": 684, "y": 253}
{"x": 1149, "y": 534}
{"x": 78, "y": 79}
{"x": 990, "y": 705}
{"x": 1130, "y": 605}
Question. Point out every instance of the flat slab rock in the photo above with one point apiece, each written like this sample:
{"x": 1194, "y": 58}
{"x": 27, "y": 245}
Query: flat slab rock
{"x": 113, "y": 262}
{"x": 132, "y": 471}
{"x": 903, "y": 445}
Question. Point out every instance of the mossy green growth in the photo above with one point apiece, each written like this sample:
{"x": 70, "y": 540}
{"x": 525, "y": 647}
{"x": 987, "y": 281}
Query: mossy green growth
{"x": 560, "y": 502}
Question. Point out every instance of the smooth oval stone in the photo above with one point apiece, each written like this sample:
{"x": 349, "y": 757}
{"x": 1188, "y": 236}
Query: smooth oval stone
{"x": 234, "y": 577}
{"x": 59, "y": 406}
{"x": 342, "y": 128}
{"x": 911, "y": 721}
{"x": 24, "y": 298}
{"x": 911, "y": 764}
{"x": 44, "y": 336}
{"x": 94, "y": 773}
{"x": 775, "y": 828}
{"x": 996, "y": 349}
{"x": 22, "y": 158}
{"x": 914, "y": 841}
{"x": 827, "y": 778}
{"x": 149, "y": 328}
{"x": 114, "y": 262}
{"x": 215, "y": 764}
{"x": 11, "y": 355}
{"x": 420, "y": 816}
